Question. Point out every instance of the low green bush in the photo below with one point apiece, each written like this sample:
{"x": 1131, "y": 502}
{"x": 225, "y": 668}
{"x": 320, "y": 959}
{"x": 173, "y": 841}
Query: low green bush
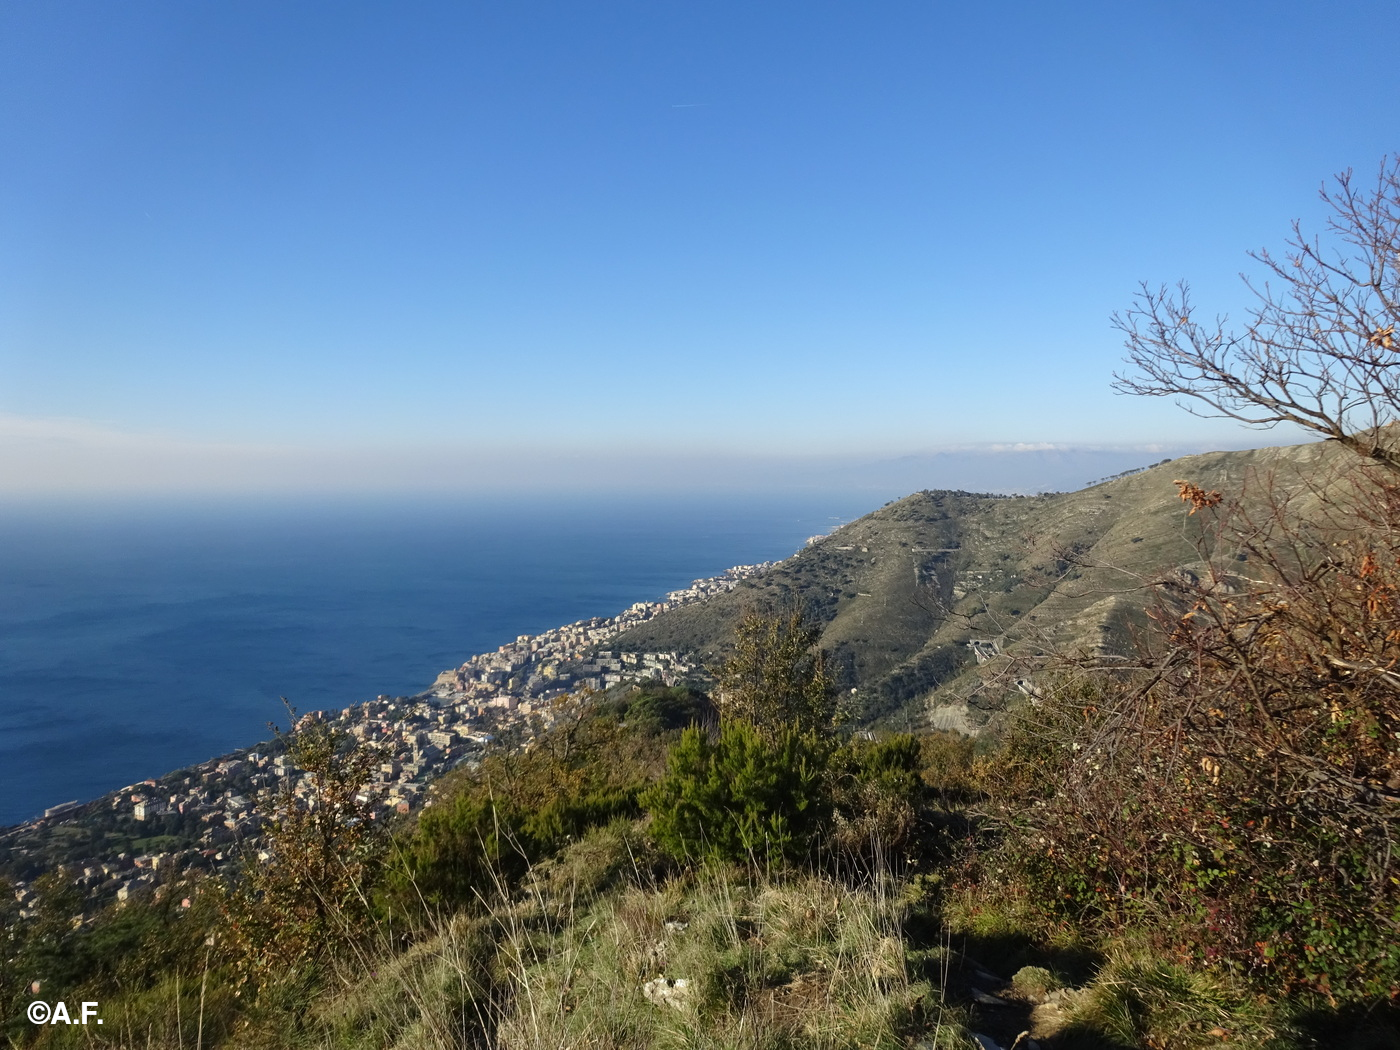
{"x": 487, "y": 825}
{"x": 879, "y": 797}
{"x": 741, "y": 796}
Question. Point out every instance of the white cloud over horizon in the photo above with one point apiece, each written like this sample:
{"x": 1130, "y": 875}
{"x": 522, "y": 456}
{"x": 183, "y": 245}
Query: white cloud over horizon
{"x": 70, "y": 457}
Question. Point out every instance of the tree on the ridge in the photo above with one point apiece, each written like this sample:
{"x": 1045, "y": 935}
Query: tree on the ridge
{"x": 1319, "y": 348}
{"x": 776, "y": 678}
{"x": 759, "y": 788}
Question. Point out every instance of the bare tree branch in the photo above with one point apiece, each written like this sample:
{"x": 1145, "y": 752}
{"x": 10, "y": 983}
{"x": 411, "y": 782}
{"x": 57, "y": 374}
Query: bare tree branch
{"x": 1319, "y": 347}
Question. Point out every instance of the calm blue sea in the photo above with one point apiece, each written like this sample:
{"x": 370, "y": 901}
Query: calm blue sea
{"x": 138, "y": 639}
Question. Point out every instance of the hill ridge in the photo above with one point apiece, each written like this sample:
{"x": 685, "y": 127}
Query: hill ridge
{"x": 901, "y": 592}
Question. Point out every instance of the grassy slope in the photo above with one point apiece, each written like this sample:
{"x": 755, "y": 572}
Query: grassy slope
{"x": 901, "y": 591}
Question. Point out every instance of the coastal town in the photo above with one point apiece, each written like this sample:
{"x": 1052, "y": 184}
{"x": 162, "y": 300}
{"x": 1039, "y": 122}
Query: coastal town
{"x": 211, "y": 816}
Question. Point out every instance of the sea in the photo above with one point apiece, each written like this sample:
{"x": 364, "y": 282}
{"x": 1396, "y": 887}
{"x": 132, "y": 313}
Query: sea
{"x": 141, "y": 637}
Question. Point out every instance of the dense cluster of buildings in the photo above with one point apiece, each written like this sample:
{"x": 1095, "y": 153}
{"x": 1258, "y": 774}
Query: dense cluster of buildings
{"x": 212, "y": 815}
{"x": 567, "y": 659}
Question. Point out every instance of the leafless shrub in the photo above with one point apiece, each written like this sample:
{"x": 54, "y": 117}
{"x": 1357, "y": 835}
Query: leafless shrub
{"x": 1244, "y": 785}
{"x": 1318, "y": 349}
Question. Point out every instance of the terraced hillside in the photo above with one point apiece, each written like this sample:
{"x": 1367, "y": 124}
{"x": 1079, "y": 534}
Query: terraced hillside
{"x": 904, "y": 592}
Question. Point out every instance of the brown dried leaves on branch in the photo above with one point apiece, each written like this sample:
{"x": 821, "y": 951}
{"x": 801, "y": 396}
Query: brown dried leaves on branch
{"x": 1198, "y": 497}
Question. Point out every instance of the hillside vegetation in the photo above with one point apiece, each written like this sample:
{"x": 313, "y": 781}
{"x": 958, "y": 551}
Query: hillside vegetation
{"x": 901, "y": 592}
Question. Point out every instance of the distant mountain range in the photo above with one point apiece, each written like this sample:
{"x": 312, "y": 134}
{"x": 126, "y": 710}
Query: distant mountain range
{"x": 923, "y": 600}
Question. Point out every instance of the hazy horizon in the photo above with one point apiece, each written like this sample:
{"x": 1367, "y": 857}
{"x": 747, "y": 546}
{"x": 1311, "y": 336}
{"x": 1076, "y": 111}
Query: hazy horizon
{"x": 82, "y": 471}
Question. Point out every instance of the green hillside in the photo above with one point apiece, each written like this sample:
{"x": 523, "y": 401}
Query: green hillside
{"x": 902, "y": 591}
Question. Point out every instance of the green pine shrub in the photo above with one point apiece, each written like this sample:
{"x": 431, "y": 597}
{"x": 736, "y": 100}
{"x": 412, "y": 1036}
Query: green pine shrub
{"x": 742, "y": 795}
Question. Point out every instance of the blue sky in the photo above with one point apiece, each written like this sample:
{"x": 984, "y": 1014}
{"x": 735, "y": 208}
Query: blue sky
{"x": 249, "y": 245}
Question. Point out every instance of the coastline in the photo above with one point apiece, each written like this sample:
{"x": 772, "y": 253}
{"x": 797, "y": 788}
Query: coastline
{"x": 210, "y": 809}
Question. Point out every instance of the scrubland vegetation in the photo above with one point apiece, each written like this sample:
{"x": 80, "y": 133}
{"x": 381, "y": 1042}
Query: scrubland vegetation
{"x": 1191, "y": 852}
